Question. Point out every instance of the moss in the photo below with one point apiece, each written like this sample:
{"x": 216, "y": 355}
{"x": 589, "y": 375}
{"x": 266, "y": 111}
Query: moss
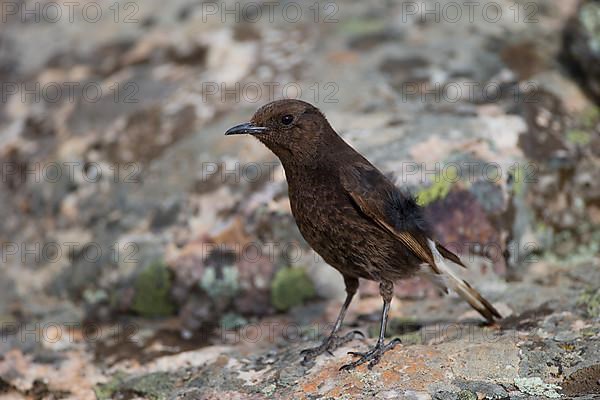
{"x": 590, "y": 299}
{"x": 439, "y": 189}
{"x": 152, "y": 287}
{"x": 291, "y": 287}
{"x": 579, "y": 137}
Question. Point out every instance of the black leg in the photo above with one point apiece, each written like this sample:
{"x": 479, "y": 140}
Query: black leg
{"x": 374, "y": 355}
{"x": 333, "y": 341}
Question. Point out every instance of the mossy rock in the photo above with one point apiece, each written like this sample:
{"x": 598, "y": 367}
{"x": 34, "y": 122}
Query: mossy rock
{"x": 590, "y": 299}
{"x": 440, "y": 187}
{"x": 291, "y": 287}
{"x": 232, "y": 321}
{"x": 152, "y": 287}
{"x": 579, "y": 137}
{"x": 225, "y": 286}
{"x": 155, "y": 386}
{"x": 105, "y": 391}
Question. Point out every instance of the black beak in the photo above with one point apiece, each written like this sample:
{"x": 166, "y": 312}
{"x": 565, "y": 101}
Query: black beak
{"x": 245, "y": 129}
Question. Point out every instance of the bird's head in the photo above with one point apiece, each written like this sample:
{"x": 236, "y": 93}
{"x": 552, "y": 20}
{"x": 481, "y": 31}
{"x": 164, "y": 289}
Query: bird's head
{"x": 292, "y": 129}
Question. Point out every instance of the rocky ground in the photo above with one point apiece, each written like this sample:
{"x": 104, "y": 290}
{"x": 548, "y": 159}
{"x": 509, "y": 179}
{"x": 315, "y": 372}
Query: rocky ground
{"x": 145, "y": 255}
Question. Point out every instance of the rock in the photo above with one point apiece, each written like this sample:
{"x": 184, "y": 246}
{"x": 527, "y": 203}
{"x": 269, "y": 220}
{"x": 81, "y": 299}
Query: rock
{"x": 536, "y": 387}
{"x": 590, "y": 299}
{"x": 199, "y": 255}
{"x": 484, "y": 389}
{"x": 483, "y": 232}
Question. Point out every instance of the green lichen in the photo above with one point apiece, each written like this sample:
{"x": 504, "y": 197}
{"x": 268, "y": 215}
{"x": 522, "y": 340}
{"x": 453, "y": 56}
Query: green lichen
{"x": 411, "y": 338}
{"x": 95, "y": 296}
{"x": 269, "y": 390}
{"x": 224, "y": 286}
{"x": 291, "y": 287}
{"x": 537, "y": 387}
{"x": 518, "y": 185}
{"x": 467, "y": 395}
{"x": 439, "y": 189}
{"x": 155, "y": 386}
{"x": 362, "y": 26}
{"x": 589, "y": 15}
{"x": 152, "y": 287}
{"x": 579, "y": 137}
{"x": 590, "y": 299}
{"x": 405, "y": 328}
{"x": 590, "y": 117}
{"x": 105, "y": 391}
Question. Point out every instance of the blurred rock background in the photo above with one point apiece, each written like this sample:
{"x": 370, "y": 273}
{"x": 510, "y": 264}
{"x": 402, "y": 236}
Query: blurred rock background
{"x": 142, "y": 250}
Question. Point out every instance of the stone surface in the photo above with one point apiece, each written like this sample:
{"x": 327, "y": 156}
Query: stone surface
{"x": 157, "y": 264}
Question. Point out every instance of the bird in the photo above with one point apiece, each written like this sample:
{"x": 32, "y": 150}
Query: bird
{"x": 354, "y": 217}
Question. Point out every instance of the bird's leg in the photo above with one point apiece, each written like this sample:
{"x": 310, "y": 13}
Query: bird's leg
{"x": 333, "y": 341}
{"x": 374, "y": 355}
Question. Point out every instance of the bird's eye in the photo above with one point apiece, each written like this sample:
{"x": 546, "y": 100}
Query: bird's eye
{"x": 287, "y": 119}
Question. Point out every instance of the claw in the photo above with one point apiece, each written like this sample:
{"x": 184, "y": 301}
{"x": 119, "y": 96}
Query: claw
{"x": 328, "y": 346}
{"x": 373, "y": 356}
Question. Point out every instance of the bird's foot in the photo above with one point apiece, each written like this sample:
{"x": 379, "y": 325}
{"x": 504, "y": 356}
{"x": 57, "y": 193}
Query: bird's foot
{"x": 372, "y": 356}
{"x": 329, "y": 345}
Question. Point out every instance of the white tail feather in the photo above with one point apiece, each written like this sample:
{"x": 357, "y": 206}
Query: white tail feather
{"x": 460, "y": 286}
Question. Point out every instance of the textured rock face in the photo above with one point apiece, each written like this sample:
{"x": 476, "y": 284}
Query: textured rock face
{"x": 144, "y": 255}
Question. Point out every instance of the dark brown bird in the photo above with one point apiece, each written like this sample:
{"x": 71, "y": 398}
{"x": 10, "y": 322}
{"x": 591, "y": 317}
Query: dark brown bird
{"x": 353, "y": 215}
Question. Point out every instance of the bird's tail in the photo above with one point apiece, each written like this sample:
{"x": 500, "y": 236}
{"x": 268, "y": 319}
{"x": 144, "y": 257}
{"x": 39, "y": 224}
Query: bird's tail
{"x": 460, "y": 286}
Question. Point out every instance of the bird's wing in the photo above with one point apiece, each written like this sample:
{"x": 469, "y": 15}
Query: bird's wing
{"x": 399, "y": 214}
{"x": 378, "y": 199}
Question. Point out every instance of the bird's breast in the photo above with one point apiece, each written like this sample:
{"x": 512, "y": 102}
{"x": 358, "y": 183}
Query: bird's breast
{"x": 333, "y": 227}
